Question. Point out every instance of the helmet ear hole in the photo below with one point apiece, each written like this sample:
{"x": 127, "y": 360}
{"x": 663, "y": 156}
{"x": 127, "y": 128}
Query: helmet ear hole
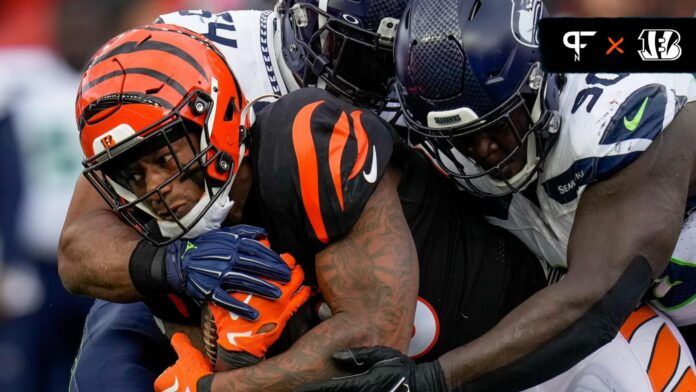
{"x": 230, "y": 110}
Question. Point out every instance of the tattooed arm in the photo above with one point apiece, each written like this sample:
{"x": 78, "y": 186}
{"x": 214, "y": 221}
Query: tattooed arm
{"x": 370, "y": 281}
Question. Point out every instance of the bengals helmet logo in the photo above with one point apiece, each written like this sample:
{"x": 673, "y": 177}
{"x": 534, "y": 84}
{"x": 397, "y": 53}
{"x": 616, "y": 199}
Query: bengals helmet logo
{"x": 108, "y": 142}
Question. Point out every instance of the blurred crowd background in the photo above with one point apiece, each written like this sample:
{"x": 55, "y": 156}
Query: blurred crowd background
{"x": 43, "y": 46}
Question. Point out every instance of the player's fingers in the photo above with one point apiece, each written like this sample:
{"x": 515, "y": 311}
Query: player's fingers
{"x": 296, "y": 279}
{"x": 360, "y": 359}
{"x": 166, "y": 381}
{"x": 181, "y": 344}
{"x": 236, "y": 281}
{"x": 225, "y": 300}
{"x": 260, "y": 260}
{"x": 299, "y": 298}
{"x": 247, "y": 231}
{"x": 288, "y": 259}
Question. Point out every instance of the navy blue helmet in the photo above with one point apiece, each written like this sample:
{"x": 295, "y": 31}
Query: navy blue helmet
{"x": 345, "y": 46}
{"x": 467, "y": 68}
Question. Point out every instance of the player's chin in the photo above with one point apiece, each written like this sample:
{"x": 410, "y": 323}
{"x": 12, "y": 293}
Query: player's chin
{"x": 180, "y": 211}
{"x": 508, "y": 171}
{"x": 511, "y": 169}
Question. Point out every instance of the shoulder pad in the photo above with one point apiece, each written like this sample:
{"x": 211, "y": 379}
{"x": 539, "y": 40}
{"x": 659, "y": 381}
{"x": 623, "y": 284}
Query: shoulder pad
{"x": 608, "y": 121}
{"x": 322, "y": 154}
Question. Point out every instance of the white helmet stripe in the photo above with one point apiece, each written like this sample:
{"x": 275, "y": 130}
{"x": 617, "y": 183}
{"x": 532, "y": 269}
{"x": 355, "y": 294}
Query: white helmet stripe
{"x": 323, "y": 5}
{"x": 211, "y": 116}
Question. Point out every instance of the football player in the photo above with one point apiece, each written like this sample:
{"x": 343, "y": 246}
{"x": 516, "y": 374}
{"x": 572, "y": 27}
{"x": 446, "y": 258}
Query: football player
{"x": 250, "y": 41}
{"x": 576, "y": 166}
{"x": 324, "y": 179}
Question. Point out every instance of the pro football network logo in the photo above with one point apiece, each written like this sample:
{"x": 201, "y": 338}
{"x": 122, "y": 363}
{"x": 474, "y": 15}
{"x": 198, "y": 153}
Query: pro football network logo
{"x": 660, "y": 45}
{"x": 573, "y": 40}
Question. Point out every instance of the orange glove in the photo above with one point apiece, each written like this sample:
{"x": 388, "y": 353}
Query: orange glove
{"x": 237, "y": 335}
{"x": 188, "y": 371}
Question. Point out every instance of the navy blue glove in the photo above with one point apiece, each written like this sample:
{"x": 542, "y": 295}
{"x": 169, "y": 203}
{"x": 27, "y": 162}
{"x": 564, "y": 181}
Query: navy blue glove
{"x": 225, "y": 260}
{"x": 377, "y": 369}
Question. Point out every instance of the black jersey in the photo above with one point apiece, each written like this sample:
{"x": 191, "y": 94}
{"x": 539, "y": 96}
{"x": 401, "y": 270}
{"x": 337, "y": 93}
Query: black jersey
{"x": 316, "y": 161}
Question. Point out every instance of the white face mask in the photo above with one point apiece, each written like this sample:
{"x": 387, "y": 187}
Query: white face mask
{"x": 212, "y": 219}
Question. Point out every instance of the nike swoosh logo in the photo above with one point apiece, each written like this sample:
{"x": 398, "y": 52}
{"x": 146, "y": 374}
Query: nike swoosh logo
{"x": 371, "y": 177}
{"x": 662, "y": 288}
{"x": 232, "y": 336}
{"x": 632, "y": 125}
{"x": 173, "y": 388}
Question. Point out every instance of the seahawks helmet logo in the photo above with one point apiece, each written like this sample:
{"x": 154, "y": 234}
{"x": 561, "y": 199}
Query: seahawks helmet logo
{"x": 523, "y": 21}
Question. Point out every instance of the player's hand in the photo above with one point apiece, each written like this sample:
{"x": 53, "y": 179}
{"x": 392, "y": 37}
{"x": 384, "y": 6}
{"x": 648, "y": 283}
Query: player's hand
{"x": 189, "y": 373}
{"x": 381, "y": 369}
{"x": 230, "y": 259}
{"x": 241, "y": 342}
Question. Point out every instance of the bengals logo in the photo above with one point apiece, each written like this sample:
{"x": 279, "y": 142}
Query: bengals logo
{"x": 108, "y": 142}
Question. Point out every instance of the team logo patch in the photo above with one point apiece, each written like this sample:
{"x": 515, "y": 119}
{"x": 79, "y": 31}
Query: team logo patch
{"x": 660, "y": 45}
{"x": 641, "y": 115}
{"x": 107, "y": 141}
{"x": 523, "y": 21}
{"x": 426, "y": 329}
{"x": 113, "y": 137}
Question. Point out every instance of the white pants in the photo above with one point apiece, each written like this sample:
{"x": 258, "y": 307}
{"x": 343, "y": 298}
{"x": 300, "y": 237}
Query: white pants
{"x": 676, "y": 290}
{"x": 648, "y": 354}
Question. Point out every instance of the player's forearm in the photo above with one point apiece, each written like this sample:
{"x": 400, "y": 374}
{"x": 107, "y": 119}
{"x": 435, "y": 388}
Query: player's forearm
{"x": 539, "y": 319}
{"x": 308, "y": 360}
{"x": 93, "y": 257}
{"x": 549, "y": 333}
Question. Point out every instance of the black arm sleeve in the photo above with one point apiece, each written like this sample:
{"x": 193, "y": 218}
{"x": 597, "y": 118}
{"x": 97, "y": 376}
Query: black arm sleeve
{"x": 593, "y": 330}
{"x": 149, "y": 277}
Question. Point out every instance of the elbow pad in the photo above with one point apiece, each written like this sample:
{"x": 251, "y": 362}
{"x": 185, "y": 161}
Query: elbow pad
{"x": 590, "y": 332}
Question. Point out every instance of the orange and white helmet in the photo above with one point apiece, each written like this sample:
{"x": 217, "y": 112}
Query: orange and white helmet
{"x": 142, "y": 91}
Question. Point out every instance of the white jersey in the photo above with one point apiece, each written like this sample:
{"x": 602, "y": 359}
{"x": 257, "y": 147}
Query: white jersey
{"x": 608, "y": 120}
{"x": 246, "y": 39}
